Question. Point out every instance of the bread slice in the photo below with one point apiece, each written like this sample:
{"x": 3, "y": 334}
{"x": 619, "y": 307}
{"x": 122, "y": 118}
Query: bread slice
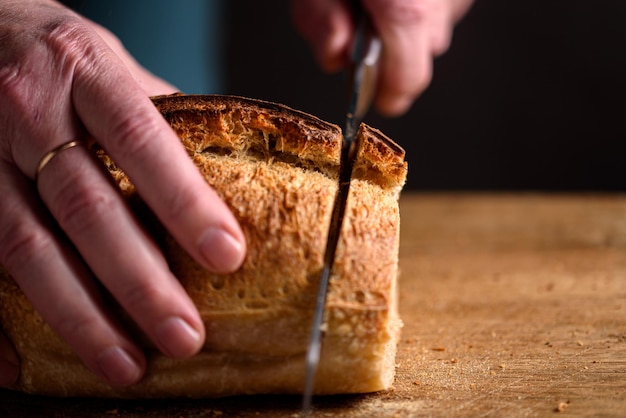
{"x": 277, "y": 169}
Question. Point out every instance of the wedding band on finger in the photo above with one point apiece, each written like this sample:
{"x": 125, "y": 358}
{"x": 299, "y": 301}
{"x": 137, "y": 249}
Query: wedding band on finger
{"x": 49, "y": 156}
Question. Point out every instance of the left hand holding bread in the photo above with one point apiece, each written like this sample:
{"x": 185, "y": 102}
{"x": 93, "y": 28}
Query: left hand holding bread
{"x": 65, "y": 231}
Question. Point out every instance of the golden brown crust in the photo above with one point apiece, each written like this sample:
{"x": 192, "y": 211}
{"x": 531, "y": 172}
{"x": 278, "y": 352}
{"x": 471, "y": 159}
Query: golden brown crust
{"x": 276, "y": 168}
{"x": 270, "y": 128}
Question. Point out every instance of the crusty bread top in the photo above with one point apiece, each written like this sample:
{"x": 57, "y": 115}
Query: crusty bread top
{"x": 284, "y": 133}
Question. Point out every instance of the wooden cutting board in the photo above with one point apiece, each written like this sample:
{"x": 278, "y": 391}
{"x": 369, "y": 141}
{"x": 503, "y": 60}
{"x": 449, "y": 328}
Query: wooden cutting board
{"x": 513, "y": 305}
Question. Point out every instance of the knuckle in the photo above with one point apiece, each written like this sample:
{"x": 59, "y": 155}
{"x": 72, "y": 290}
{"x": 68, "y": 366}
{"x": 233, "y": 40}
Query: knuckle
{"x": 78, "y": 210}
{"x": 22, "y": 244}
{"x": 131, "y": 135}
{"x": 36, "y": 72}
{"x": 75, "y": 48}
{"x": 180, "y": 203}
{"x": 18, "y": 108}
{"x": 12, "y": 82}
{"x": 401, "y": 11}
{"x": 22, "y": 236}
{"x": 139, "y": 297}
{"x": 67, "y": 38}
{"x": 75, "y": 328}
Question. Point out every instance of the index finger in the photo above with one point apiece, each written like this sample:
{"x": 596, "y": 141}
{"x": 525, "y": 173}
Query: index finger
{"x": 128, "y": 126}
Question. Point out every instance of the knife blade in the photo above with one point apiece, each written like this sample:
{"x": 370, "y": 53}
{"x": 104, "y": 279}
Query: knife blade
{"x": 362, "y": 76}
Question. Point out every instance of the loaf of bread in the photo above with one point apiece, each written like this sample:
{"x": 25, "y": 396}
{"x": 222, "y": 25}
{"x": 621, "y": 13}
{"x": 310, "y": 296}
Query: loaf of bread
{"x": 277, "y": 170}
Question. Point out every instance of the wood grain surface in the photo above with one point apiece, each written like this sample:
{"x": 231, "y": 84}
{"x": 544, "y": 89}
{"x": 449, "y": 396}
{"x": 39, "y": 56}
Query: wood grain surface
{"x": 513, "y": 305}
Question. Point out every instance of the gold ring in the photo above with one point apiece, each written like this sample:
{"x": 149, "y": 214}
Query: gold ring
{"x": 53, "y": 153}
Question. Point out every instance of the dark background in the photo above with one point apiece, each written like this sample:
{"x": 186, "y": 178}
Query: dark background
{"x": 530, "y": 95}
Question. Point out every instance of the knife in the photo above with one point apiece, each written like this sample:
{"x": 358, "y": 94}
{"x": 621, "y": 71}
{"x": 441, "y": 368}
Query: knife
{"x": 362, "y": 76}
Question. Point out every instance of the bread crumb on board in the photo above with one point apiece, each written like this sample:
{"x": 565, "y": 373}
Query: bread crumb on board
{"x": 561, "y": 407}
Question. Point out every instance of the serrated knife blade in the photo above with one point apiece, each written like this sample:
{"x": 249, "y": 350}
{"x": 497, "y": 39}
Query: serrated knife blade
{"x": 362, "y": 76}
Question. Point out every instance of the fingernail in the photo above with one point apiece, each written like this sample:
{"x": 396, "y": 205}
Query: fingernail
{"x": 221, "y": 250}
{"x": 177, "y": 338}
{"x": 119, "y": 367}
{"x": 9, "y": 371}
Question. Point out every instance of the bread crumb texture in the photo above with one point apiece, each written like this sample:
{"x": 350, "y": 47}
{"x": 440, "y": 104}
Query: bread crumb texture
{"x": 277, "y": 170}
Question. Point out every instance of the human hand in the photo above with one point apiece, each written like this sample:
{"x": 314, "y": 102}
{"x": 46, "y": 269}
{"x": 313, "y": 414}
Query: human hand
{"x": 413, "y": 32}
{"x": 63, "y": 78}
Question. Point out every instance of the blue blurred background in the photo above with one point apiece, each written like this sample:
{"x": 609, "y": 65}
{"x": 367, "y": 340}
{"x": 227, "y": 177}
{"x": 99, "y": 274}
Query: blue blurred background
{"x": 181, "y": 41}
